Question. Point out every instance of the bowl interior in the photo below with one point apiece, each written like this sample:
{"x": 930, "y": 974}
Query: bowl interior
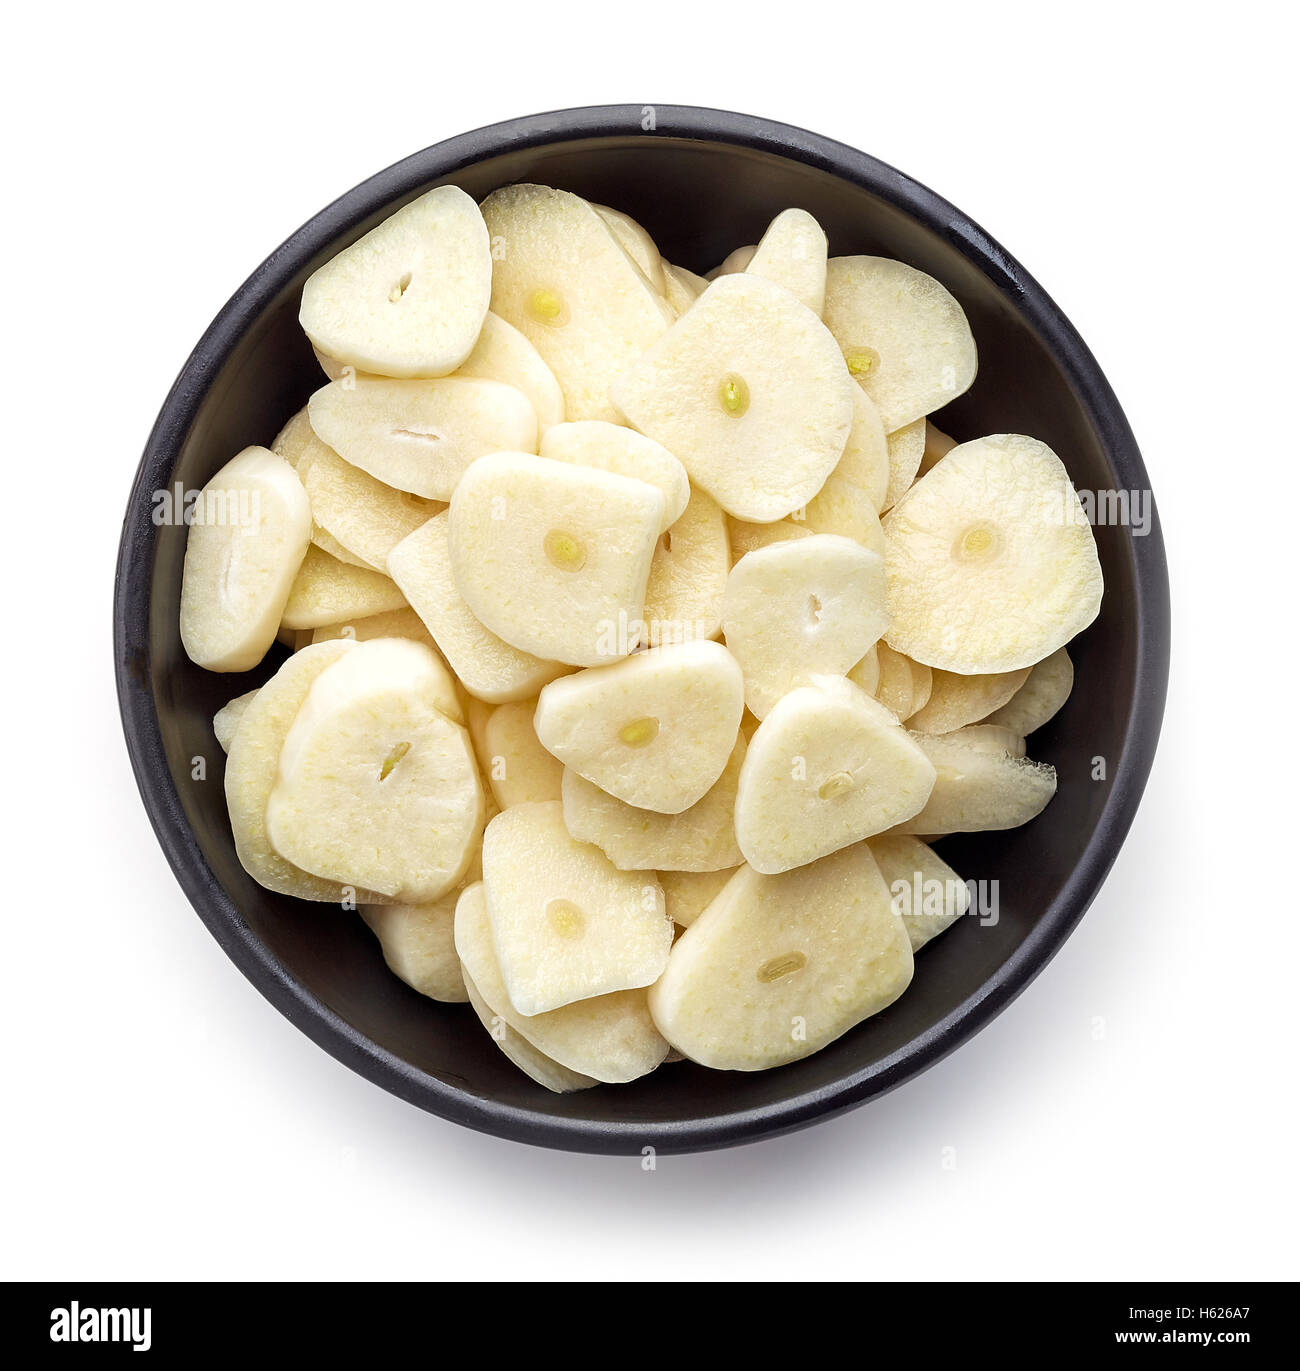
{"x": 699, "y": 200}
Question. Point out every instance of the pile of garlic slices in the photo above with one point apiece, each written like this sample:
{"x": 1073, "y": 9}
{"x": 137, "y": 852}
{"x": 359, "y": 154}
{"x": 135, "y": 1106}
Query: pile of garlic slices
{"x": 641, "y": 624}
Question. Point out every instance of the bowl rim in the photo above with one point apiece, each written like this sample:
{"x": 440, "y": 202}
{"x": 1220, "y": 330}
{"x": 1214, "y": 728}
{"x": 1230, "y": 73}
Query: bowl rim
{"x": 133, "y": 591}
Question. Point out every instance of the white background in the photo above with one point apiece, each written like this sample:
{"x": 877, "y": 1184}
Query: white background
{"x": 162, "y": 1120}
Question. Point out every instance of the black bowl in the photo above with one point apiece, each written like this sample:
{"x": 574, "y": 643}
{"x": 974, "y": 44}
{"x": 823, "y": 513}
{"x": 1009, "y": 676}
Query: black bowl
{"x": 702, "y": 182}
